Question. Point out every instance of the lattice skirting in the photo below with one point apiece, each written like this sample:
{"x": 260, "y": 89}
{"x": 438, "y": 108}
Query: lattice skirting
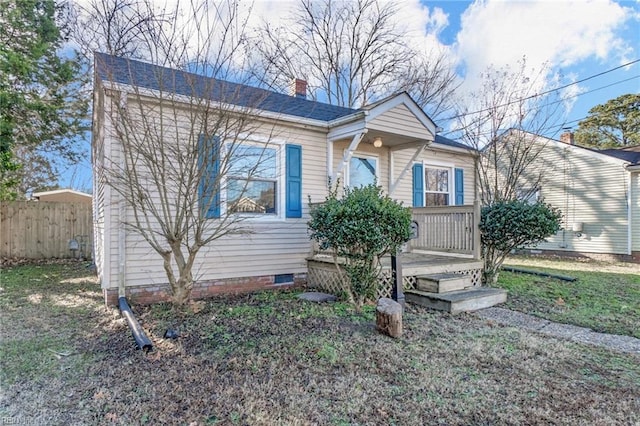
{"x": 326, "y": 277}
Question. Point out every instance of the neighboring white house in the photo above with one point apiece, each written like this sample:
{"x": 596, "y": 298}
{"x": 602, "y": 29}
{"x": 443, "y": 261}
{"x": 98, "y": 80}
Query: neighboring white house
{"x": 392, "y": 141}
{"x": 598, "y": 192}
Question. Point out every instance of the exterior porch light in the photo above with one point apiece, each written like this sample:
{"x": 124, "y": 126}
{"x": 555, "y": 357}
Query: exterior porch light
{"x": 377, "y": 142}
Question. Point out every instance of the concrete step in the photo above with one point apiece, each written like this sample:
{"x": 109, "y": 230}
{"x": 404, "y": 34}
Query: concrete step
{"x": 443, "y": 283}
{"x": 458, "y": 301}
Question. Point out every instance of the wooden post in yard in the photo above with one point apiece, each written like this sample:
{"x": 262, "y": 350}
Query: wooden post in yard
{"x": 389, "y": 317}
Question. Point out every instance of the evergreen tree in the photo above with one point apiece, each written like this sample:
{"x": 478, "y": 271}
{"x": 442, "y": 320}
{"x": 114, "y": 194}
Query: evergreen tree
{"x": 614, "y": 124}
{"x": 42, "y": 107}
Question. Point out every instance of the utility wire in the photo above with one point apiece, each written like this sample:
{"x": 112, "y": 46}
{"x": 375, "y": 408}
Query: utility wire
{"x": 556, "y": 102}
{"x": 545, "y": 92}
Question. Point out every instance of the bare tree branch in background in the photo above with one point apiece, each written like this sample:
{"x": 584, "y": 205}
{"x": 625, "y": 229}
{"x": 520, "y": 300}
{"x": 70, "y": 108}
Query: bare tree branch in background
{"x": 351, "y": 53}
{"x": 118, "y": 27}
{"x": 508, "y": 116}
{"x": 505, "y": 129}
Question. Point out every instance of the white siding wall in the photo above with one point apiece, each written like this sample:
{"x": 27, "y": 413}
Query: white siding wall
{"x": 97, "y": 153}
{"x": 635, "y": 211}
{"x": 588, "y": 188}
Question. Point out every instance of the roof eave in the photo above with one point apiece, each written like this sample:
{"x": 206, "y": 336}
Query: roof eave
{"x": 445, "y": 147}
{"x": 153, "y": 93}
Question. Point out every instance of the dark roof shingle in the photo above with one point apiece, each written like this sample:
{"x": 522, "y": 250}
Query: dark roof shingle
{"x": 149, "y": 76}
{"x": 631, "y": 155}
{"x": 446, "y": 141}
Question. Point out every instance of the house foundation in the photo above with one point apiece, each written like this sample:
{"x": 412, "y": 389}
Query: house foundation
{"x": 155, "y": 293}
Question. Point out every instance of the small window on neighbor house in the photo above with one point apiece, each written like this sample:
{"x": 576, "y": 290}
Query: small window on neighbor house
{"x": 530, "y": 195}
{"x": 252, "y": 182}
{"x": 437, "y": 186}
{"x": 363, "y": 171}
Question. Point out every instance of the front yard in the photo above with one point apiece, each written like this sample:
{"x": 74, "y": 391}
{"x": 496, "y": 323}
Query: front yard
{"x": 605, "y": 297}
{"x": 269, "y": 358}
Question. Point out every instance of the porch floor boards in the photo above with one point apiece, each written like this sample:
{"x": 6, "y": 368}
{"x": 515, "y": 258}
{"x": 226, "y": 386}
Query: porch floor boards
{"x": 423, "y": 264}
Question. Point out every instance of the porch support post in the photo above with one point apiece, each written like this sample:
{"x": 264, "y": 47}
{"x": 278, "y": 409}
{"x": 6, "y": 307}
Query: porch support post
{"x": 348, "y": 154}
{"x": 406, "y": 168}
{"x": 330, "y": 181}
{"x": 477, "y": 249}
{"x": 396, "y": 275}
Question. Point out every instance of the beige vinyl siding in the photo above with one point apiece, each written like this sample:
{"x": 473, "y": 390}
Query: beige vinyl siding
{"x": 399, "y": 120}
{"x": 635, "y": 211}
{"x": 275, "y": 246}
{"x": 97, "y": 153}
{"x": 588, "y": 188}
{"x": 404, "y": 189}
{"x": 367, "y": 149}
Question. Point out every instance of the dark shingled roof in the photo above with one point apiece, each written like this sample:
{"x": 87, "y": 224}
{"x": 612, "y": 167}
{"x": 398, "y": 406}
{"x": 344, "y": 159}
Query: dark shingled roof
{"x": 445, "y": 141}
{"x": 145, "y": 75}
{"x": 631, "y": 155}
{"x": 142, "y": 74}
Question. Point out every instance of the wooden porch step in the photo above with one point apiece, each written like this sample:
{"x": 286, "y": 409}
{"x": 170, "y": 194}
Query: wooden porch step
{"x": 458, "y": 301}
{"x": 443, "y": 283}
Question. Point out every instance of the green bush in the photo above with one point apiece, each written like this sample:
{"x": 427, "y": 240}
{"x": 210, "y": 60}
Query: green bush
{"x": 360, "y": 227}
{"x": 507, "y": 225}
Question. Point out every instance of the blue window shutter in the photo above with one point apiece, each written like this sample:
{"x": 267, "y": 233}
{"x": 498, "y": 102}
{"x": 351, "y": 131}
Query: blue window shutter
{"x": 293, "y": 182}
{"x": 418, "y": 186}
{"x": 459, "y": 187}
{"x": 209, "y": 188}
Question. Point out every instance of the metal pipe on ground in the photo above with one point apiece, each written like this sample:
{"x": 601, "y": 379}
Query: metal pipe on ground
{"x": 139, "y": 335}
{"x": 539, "y": 273}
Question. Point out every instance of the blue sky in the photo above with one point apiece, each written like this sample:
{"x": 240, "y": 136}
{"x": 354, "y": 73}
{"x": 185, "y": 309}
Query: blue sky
{"x": 577, "y": 39}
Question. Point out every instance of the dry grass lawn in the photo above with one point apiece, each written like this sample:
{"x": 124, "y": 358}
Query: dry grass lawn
{"x": 269, "y": 358}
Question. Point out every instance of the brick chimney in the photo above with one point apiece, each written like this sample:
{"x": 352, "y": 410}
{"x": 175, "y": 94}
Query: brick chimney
{"x": 299, "y": 88}
{"x": 567, "y": 137}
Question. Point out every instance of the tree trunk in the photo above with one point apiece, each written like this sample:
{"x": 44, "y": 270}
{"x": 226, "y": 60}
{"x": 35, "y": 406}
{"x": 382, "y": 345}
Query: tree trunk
{"x": 389, "y": 317}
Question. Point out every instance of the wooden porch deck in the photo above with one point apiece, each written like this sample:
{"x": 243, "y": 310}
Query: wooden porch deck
{"x": 323, "y": 274}
{"x": 446, "y": 241}
{"x": 416, "y": 263}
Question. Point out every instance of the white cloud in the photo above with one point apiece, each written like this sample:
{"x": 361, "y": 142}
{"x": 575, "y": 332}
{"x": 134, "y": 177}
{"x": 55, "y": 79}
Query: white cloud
{"x": 557, "y": 33}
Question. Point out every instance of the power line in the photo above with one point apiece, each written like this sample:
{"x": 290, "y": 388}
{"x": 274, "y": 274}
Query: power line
{"x": 555, "y": 102}
{"x": 545, "y": 92}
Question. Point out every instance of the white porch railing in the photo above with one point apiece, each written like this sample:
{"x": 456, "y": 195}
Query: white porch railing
{"x": 448, "y": 229}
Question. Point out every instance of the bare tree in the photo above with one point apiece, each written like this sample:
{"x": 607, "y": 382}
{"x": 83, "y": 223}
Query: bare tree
{"x": 351, "y": 53}
{"x": 182, "y": 142}
{"x": 118, "y": 27}
{"x": 507, "y": 118}
{"x": 505, "y": 128}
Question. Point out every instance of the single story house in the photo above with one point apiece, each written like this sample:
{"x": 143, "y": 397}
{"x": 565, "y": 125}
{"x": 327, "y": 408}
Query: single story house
{"x": 62, "y": 196}
{"x": 309, "y": 144}
{"x": 598, "y": 192}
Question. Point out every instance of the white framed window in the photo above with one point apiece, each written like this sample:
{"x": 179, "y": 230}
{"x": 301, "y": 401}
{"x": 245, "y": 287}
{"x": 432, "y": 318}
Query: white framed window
{"x": 253, "y": 181}
{"x": 363, "y": 170}
{"x": 530, "y": 195}
{"x": 438, "y": 184}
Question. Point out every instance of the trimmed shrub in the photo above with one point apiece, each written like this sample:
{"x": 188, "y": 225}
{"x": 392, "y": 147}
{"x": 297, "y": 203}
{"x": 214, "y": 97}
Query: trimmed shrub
{"x": 360, "y": 227}
{"x": 507, "y": 225}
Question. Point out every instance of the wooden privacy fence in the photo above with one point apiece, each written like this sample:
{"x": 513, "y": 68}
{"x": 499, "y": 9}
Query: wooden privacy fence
{"x": 43, "y": 230}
